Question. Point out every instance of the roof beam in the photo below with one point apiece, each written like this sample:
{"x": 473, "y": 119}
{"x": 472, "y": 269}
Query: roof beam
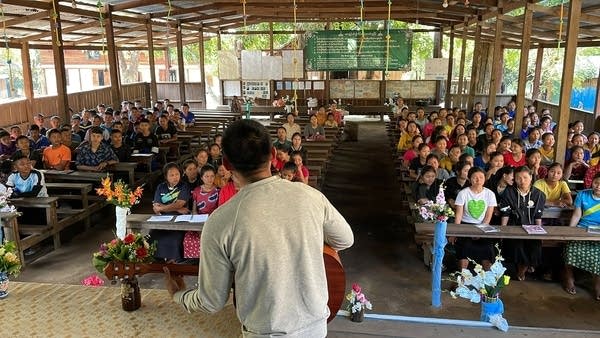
{"x": 68, "y": 29}
{"x": 134, "y": 3}
{"x": 26, "y": 18}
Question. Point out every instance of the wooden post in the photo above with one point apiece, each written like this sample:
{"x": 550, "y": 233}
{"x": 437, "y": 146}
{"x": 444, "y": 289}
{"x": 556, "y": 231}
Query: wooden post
{"x": 202, "y": 70}
{"x": 271, "y": 43}
{"x": 461, "y": 72}
{"x": 221, "y": 86}
{"x": 167, "y": 65}
{"x": 475, "y": 68}
{"x": 62, "y": 100}
{"x": 180, "y": 64}
{"x": 153, "y": 87}
{"x": 527, "y": 22}
{"x": 27, "y": 77}
{"x": 113, "y": 66}
{"x": 437, "y": 53}
{"x": 496, "y": 63}
{"x": 538, "y": 73}
{"x": 597, "y": 103}
{"x": 448, "y": 98}
{"x": 567, "y": 80}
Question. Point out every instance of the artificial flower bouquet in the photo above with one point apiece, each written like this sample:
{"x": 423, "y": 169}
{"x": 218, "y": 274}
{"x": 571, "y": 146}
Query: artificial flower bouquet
{"x": 134, "y": 248}
{"x": 9, "y": 259}
{"x": 484, "y": 287}
{"x": 438, "y": 210}
{"x": 119, "y": 193}
{"x": 4, "y": 205}
{"x": 357, "y": 301}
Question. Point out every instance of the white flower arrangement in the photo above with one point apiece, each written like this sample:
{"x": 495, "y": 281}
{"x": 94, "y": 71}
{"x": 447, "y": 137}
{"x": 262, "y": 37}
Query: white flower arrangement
{"x": 475, "y": 287}
{"x": 357, "y": 301}
{"x": 4, "y": 205}
{"x": 438, "y": 210}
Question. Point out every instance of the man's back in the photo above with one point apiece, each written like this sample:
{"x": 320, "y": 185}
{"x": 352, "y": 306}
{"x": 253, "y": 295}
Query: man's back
{"x": 271, "y": 236}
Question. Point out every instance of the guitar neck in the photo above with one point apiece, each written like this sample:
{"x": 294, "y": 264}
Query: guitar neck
{"x": 175, "y": 269}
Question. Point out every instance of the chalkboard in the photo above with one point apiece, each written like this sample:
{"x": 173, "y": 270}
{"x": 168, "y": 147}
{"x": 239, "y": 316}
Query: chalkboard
{"x": 349, "y": 50}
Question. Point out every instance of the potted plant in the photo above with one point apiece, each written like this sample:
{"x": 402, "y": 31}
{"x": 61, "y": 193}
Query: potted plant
{"x": 357, "y": 303}
{"x": 10, "y": 265}
{"x": 122, "y": 197}
{"x": 484, "y": 287}
{"x": 133, "y": 248}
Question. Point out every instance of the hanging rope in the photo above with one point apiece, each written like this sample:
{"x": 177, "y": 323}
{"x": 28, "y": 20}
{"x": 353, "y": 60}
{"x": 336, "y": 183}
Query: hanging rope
{"x": 54, "y": 17}
{"x": 168, "y": 32}
{"x": 100, "y": 6}
{"x": 560, "y": 26}
{"x": 7, "y": 51}
{"x": 388, "y": 38}
{"x": 245, "y": 16}
{"x": 362, "y": 26}
{"x": 295, "y": 56}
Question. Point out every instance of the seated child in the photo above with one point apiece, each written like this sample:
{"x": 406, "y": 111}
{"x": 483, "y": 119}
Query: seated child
{"x": 95, "y": 155}
{"x": 206, "y": 200}
{"x": 215, "y": 155}
{"x": 289, "y": 172}
{"x": 331, "y": 122}
{"x": 57, "y": 156}
{"x": 25, "y": 181}
{"x": 7, "y": 146}
{"x": 171, "y": 198}
{"x": 281, "y": 158}
{"x": 301, "y": 174}
{"x": 120, "y": 149}
{"x": 24, "y": 149}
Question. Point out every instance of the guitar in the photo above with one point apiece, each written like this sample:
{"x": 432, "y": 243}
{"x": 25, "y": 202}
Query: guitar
{"x": 336, "y": 278}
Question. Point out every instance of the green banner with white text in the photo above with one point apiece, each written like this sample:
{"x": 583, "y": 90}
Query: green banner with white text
{"x": 350, "y": 50}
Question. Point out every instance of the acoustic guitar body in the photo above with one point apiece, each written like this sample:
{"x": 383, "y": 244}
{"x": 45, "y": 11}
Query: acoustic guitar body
{"x": 336, "y": 278}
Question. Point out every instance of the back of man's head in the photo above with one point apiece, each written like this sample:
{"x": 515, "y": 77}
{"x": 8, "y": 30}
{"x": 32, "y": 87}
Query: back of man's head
{"x": 247, "y": 146}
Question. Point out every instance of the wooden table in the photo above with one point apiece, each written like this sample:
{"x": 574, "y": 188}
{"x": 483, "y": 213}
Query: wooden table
{"x": 127, "y": 167}
{"x": 60, "y": 310}
{"x": 145, "y": 159}
{"x": 556, "y": 233}
{"x": 137, "y": 222}
{"x": 74, "y": 176}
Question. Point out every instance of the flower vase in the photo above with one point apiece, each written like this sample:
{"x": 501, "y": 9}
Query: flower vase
{"x": 490, "y": 306}
{"x": 358, "y": 316}
{"x": 439, "y": 242}
{"x": 121, "y": 220}
{"x": 131, "y": 299}
{"x": 3, "y": 284}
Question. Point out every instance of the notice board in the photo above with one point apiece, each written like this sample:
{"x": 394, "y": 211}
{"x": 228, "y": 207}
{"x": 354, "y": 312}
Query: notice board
{"x": 350, "y": 50}
{"x": 410, "y": 89}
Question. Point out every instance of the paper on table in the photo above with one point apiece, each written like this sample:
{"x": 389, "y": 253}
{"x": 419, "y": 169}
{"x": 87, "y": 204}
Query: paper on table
{"x": 534, "y": 229}
{"x": 487, "y": 228}
{"x": 156, "y": 218}
{"x": 192, "y": 218}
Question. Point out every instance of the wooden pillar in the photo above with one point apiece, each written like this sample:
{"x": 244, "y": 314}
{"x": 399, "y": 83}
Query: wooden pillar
{"x": 475, "y": 68}
{"x": 27, "y": 77}
{"x": 153, "y": 87}
{"x": 597, "y": 103}
{"x": 271, "y": 43}
{"x": 437, "y": 53}
{"x": 180, "y": 64}
{"x": 496, "y": 63}
{"x": 526, "y": 40}
{"x": 448, "y": 98}
{"x": 62, "y": 100}
{"x": 537, "y": 78}
{"x": 113, "y": 65}
{"x": 221, "y": 87}
{"x": 167, "y": 65}
{"x": 567, "y": 80}
{"x": 202, "y": 70}
{"x": 461, "y": 72}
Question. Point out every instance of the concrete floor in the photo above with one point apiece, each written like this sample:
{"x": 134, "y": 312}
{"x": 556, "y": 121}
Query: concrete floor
{"x": 384, "y": 260}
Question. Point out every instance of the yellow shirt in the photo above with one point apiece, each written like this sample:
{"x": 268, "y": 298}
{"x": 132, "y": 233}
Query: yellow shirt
{"x": 552, "y": 194}
{"x": 594, "y": 160}
{"x": 547, "y": 156}
{"x": 405, "y": 142}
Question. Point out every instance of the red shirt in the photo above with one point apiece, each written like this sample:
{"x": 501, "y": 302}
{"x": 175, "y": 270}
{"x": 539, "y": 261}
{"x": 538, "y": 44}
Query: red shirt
{"x": 511, "y": 162}
{"x": 227, "y": 192}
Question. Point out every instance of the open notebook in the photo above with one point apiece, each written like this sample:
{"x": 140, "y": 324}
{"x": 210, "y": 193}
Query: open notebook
{"x": 192, "y": 218}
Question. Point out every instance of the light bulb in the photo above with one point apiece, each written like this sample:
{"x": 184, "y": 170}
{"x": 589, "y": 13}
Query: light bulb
{"x": 445, "y": 4}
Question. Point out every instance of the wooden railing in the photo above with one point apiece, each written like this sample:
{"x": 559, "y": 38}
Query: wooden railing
{"x": 587, "y": 117}
{"x": 20, "y": 112}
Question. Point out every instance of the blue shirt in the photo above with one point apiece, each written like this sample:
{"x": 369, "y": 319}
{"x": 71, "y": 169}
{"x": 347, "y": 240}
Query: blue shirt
{"x": 25, "y": 185}
{"x": 167, "y": 195}
{"x": 103, "y": 154}
{"x": 585, "y": 201}
{"x": 41, "y": 143}
{"x": 189, "y": 119}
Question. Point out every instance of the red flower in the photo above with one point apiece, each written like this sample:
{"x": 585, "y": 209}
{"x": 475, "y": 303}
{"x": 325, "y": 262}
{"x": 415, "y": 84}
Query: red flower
{"x": 130, "y": 238}
{"x": 141, "y": 253}
{"x": 356, "y": 288}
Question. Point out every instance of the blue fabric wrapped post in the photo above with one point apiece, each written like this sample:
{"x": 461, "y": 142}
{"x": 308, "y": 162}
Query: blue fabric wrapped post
{"x": 439, "y": 242}
{"x": 248, "y": 107}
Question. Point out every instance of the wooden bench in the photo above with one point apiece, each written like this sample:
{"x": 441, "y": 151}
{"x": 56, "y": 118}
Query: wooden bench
{"x": 77, "y": 192}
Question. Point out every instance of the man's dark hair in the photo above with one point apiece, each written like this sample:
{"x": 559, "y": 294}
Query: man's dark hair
{"x": 96, "y": 130}
{"x": 247, "y": 145}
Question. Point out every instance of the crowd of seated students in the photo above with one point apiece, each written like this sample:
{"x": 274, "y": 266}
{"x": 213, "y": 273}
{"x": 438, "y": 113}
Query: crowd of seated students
{"x": 493, "y": 174}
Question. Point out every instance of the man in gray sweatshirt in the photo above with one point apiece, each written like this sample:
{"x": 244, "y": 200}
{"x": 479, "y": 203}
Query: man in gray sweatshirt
{"x": 268, "y": 239}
